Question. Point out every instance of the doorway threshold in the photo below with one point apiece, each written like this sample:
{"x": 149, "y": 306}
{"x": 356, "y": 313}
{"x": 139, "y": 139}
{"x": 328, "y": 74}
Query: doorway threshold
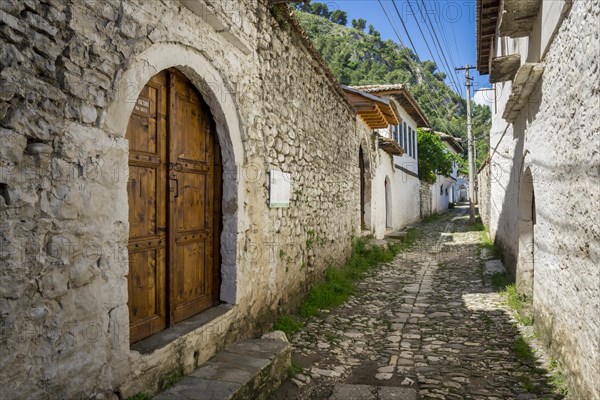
{"x": 163, "y": 338}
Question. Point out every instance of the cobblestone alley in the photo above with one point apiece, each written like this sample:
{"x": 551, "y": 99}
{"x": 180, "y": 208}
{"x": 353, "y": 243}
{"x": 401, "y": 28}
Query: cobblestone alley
{"x": 427, "y": 325}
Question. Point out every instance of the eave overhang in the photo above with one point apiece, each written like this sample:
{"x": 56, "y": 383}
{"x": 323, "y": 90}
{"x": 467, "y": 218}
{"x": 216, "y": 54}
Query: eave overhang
{"x": 517, "y": 17}
{"x": 376, "y": 112}
{"x": 403, "y": 97}
{"x": 504, "y": 68}
{"x": 390, "y": 146}
{"x": 487, "y": 19}
{"x": 454, "y": 142}
{"x": 524, "y": 83}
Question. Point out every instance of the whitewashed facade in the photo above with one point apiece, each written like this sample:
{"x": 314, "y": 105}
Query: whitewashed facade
{"x": 395, "y": 182}
{"x": 447, "y": 189}
{"x": 541, "y": 185}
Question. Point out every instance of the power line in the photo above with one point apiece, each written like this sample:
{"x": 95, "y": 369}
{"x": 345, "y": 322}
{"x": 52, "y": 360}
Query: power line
{"x": 450, "y": 52}
{"x": 417, "y": 68}
{"x": 405, "y": 30}
{"x": 408, "y": 34}
{"x": 436, "y": 43}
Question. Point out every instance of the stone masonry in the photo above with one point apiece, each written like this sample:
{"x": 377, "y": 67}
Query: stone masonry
{"x": 427, "y": 325}
{"x": 548, "y": 160}
{"x": 71, "y": 71}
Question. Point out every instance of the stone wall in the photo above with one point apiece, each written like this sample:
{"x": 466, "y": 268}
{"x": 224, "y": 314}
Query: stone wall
{"x": 71, "y": 72}
{"x": 555, "y": 137}
{"x": 425, "y": 199}
{"x": 483, "y": 187}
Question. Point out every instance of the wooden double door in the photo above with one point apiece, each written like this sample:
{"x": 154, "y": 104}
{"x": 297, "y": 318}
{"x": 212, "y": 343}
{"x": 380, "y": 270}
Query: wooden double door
{"x": 174, "y": 192}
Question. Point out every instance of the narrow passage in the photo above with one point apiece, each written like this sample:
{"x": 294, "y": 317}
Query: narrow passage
{"x": 424, "y": 326}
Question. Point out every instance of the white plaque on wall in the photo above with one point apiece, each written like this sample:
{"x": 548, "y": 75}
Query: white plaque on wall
{"x": 280, "y": 189}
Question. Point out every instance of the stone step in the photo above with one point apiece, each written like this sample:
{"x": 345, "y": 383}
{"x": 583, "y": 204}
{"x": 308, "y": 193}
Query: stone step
{"x": 251, "y": 369}
{"x": 397, "y": 235}
{"x": 343, "y": 391}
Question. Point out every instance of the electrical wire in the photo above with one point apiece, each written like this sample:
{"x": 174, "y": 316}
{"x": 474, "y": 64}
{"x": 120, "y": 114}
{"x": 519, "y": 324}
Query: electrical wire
{"x": 436, "y": 43}
{"x": 417, "y": 67}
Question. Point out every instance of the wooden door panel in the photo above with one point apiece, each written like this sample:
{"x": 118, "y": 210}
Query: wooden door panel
{"x": 192, "y": 279}
{"x": 191, "y": 124}
{"x": 146, "y": 190}
{"x": 192, "y": 202}
{"x": 143, "y": 123}
{"x": 174, "y": 192}
{"x": 191, "y": 148}
{"x": 143, "y": 205}
{"x": 146, "y": 284}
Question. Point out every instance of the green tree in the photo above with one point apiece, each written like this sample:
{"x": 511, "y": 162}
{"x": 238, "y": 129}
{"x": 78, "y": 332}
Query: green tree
{"x": 434, "y": 157}
{"x": 359, "y": 24}
{"x": 339, "y": 17}
{"x": 320, "y": 9}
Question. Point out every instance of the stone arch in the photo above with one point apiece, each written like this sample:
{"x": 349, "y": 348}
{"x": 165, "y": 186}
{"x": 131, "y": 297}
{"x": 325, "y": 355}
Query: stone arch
{"x": 218, "y": 95}
{"x": 365, "y": 184}
{"x": 527, "y": 217}
{"x": 388, "y": 203}
{"x": 462, "y": 193}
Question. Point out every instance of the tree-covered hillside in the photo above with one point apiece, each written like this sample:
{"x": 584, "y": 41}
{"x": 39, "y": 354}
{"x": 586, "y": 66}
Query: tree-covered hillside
{"x": 359, "y": 56}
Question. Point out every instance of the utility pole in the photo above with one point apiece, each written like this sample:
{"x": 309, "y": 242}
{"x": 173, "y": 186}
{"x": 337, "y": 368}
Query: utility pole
{"x": 470, "y": 143}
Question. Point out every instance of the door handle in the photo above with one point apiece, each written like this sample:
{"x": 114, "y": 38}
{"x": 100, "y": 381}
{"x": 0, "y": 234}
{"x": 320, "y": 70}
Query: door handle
{"x": 176, "y": 186}
{"x": 177, "y": 167}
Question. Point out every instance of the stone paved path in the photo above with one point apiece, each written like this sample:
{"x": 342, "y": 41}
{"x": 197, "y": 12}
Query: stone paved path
{"x": 425, "y": 326}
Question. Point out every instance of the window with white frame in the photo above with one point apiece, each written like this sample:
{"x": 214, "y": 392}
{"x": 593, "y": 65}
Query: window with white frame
{"x": 399, "y": 131}
{"x": 405, "y": 147}
{"x": 414, "y": 144}
{"x": 400, "y": 134}
{"x": 410, "y": 142}
{"x": 410, "y": 139}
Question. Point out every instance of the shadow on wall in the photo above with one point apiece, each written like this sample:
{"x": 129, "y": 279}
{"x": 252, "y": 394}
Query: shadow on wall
{"x": 508, "y": 221}
{"x": 515, "y": 237}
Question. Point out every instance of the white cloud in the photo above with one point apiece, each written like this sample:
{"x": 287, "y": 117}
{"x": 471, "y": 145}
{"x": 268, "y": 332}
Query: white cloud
{"x": 484, "y": 97}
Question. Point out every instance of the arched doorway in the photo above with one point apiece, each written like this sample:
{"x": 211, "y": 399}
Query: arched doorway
{"x": 388, "y": 204}
{"x": 361, "y": 165}
{"x": 527, "y": 220}
{"x": 365, "y": 188}
{"x": 174, "y": 192}
{"x": 463, "y": 193}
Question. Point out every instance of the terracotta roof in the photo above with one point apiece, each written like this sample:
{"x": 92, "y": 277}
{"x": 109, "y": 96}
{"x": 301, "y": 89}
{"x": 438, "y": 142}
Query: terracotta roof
{"x": 487, "y": 18}
{"x": 402, "y": 95}
{"x": 376, "y": 112}
{"x": 381, "y": 88}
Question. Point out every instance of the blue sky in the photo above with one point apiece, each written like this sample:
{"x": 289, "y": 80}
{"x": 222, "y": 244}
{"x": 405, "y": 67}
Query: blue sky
{"x": 454, "y": 23}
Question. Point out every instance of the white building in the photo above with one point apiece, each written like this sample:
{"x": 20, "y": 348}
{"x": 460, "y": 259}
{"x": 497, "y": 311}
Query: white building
{"x": 448, "y": 189}
{"x": 393, "y": 116}
{"x": 539, "y": 192}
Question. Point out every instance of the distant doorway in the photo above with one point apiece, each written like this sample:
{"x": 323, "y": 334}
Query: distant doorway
{"x": 364, "y": 164}
{"x": 361, "y": 165}
{"x": 527, "y": 220}
{"x": 388, "y": 204}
